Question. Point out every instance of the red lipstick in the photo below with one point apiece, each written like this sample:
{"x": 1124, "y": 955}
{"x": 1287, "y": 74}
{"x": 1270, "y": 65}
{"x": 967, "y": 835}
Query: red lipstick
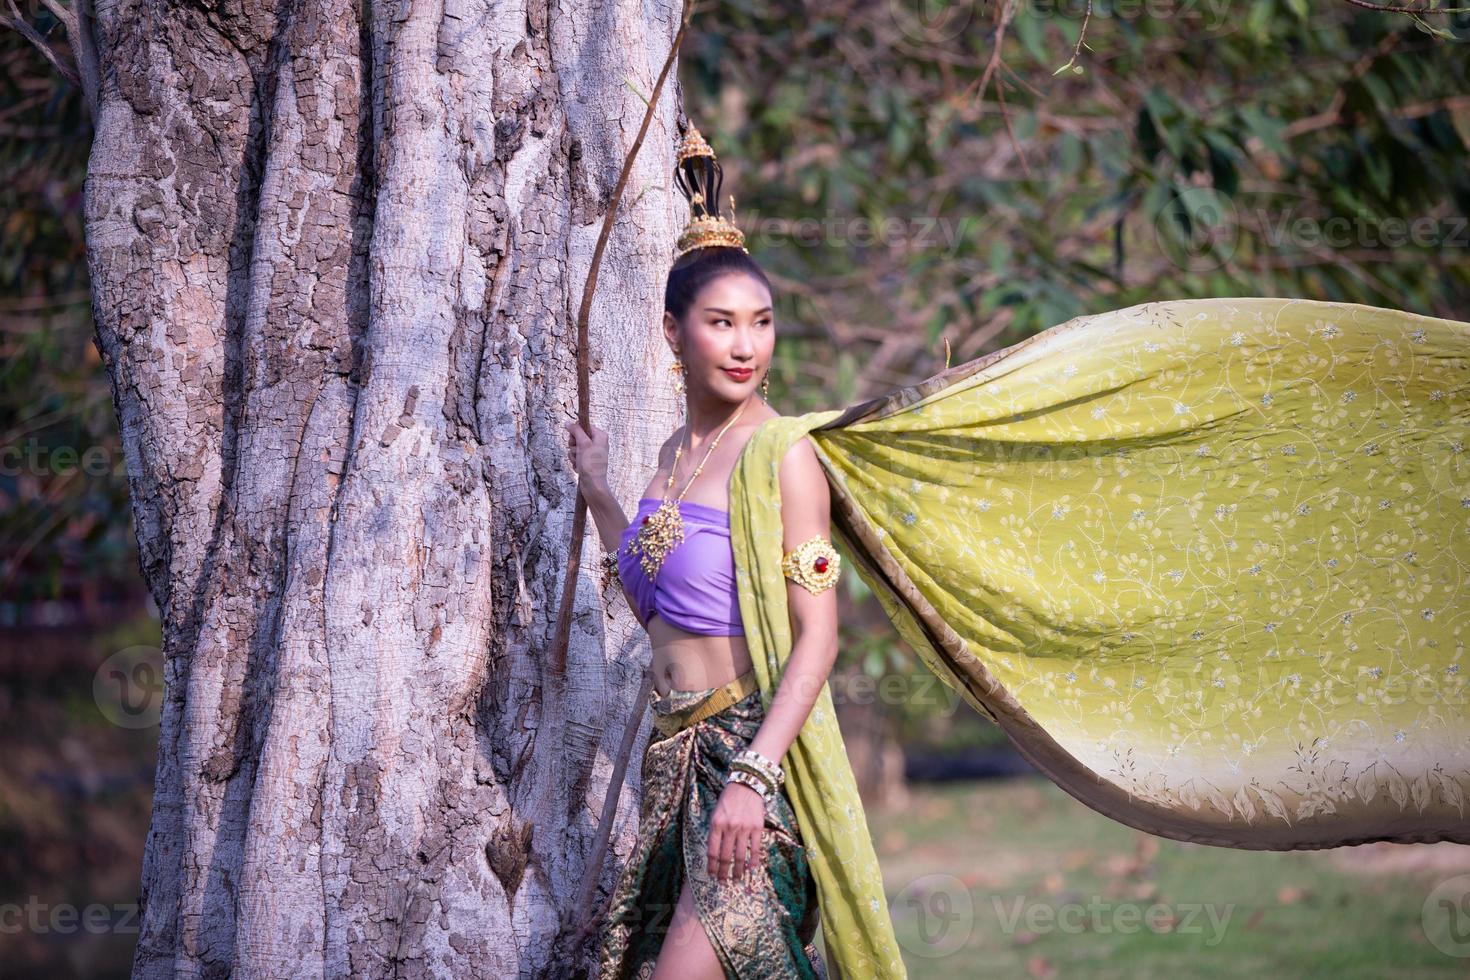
{"x": 739, "y": 374}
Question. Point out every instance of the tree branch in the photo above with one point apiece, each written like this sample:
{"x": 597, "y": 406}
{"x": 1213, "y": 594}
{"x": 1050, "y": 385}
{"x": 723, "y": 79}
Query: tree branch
{"x": 17, "y": 22}
{"x": 558, "y": 659}
{"x": 1397, "y": 9}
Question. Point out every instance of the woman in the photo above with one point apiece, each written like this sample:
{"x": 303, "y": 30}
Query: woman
{"x": 724, "y": 853}
{"x": 1202, "y": 561}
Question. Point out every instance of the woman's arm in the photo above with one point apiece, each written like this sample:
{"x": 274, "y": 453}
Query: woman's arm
{"x": 806, "y": 512}
{"x": 606, "y": 513}
{"x": 736, "y": 828}
{"x": 589, "y": 461}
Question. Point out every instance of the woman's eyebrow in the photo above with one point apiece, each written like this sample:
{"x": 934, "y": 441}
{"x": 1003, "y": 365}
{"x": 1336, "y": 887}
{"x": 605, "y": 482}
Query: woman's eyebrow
{"x": 716, "y": 309}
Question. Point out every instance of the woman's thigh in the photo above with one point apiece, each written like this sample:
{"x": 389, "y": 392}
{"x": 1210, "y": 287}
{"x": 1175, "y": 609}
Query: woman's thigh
{"x": 686, "y": 950}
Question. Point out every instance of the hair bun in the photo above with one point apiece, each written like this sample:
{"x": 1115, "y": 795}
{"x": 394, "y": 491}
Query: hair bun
{"x": 700, "y": 178}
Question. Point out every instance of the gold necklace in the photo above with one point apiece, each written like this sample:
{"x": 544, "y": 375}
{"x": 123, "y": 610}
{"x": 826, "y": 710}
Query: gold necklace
{"x": 663, "y": 530}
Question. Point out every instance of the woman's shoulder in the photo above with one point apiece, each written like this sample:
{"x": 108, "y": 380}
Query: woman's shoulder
{"x": 769, "y": 415}
{"x": 741, "y": 432}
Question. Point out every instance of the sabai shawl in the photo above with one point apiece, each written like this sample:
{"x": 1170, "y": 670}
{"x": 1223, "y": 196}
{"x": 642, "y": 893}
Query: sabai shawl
{"x": 1204, "y": 562}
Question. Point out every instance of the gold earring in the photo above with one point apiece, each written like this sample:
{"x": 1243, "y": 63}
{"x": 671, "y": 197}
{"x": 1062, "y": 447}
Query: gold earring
{"x": 766, "y": 385}
{"x": 678, "y": 370}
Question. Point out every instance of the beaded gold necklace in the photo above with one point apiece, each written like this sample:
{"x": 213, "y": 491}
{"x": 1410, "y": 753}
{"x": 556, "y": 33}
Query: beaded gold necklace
{"x": 663, "y": 530}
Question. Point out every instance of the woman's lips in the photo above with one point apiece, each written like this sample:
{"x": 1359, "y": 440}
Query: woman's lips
{"x": 739, "y": 374}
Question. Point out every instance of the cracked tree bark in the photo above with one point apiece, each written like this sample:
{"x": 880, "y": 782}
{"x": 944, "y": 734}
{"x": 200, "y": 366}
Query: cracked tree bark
{"x": 336, "y": 252}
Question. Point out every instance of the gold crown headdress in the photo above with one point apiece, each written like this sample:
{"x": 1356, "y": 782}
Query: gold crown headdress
{"x": 699, "y": 176}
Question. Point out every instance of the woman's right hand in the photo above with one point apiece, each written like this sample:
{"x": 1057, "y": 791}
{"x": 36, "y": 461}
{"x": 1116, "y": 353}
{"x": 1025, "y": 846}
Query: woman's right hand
{"x": 588, "y": 453}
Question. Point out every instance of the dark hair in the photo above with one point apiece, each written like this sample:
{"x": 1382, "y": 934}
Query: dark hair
{"x": 699, "y": 268}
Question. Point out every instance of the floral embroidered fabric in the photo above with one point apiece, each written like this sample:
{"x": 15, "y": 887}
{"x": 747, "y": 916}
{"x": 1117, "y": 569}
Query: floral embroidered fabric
{"x": 762, "y": 928}
{"x": 1204, "y": 562}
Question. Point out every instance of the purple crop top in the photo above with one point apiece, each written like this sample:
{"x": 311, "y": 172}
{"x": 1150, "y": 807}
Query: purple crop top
{"x": 695, "y": 586}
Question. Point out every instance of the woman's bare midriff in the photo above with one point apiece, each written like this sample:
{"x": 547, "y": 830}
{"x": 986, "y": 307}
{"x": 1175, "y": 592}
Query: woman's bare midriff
{"x": 692, "y": 661}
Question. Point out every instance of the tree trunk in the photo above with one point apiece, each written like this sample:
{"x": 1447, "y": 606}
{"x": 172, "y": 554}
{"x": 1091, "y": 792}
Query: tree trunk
{"x": 337, "y": 251}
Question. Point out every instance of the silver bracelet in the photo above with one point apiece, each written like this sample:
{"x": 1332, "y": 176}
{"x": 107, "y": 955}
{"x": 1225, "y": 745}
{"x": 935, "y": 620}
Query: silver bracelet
{"x": 746, "y": 779}
{"x": 764, "y": 766}
{"x": 742, "y": 765}
{"x": 760, "y": 762}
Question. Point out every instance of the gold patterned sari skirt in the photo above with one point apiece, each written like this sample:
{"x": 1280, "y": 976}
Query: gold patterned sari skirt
{"x": 760, "y": 928}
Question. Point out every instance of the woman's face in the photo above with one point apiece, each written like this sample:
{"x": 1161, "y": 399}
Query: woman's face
{"x": 727, "y": 338}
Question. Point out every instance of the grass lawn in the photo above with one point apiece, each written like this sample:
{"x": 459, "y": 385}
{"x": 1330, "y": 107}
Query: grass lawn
{"x": 1014, "y": 878}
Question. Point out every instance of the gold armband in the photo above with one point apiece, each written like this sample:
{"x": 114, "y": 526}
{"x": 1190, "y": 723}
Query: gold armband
{"x": 813, "y": 564}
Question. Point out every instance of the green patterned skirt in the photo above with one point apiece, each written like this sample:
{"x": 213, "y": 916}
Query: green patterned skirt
{"x": 760, "y": 929}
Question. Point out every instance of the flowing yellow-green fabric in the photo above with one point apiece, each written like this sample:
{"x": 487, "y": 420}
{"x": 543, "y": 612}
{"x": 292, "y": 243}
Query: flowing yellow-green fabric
{"x": 1205, "y": 562}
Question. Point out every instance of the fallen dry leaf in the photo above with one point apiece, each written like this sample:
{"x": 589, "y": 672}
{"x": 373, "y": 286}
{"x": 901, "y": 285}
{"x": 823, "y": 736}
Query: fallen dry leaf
{"x": 1118, "y": 865}
{"x": 1040, "y": 967}
{"x": 1290, "y": 894}
{"x": 1075, "y": 859}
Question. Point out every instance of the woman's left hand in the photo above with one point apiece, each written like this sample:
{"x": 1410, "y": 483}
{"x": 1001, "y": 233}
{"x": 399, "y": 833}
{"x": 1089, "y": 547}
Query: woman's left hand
{"x": 739, "y": 819}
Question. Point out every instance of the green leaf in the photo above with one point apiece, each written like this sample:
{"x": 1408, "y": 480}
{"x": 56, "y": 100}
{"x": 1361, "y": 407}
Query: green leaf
{"x": 873, "y": 663}
{"x": 1264, "y": 128}
{"x": 1029, "y": 30}
{"x": 1258, "y": 20}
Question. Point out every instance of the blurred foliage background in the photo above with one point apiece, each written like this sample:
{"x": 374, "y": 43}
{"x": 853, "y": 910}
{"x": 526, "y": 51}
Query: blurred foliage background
{"x": 923, "y": 177}
{"x": 1010, "y": 181}
{"x": 65, "y": 533}
{"x": 924, "y": 182}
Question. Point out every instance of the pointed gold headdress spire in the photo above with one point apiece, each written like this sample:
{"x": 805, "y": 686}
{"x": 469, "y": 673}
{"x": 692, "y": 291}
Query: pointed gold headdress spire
{"x": 699, "y": 177}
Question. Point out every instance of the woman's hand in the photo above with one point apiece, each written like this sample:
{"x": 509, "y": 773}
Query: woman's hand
{"x": 736, "y": 827}
{"x": 589, "y": 454}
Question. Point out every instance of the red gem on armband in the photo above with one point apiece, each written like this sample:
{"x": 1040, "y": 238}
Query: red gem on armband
{"x": 645, "y": 519}
{"x": 820, "y": 564}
